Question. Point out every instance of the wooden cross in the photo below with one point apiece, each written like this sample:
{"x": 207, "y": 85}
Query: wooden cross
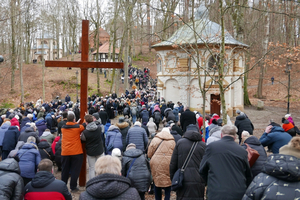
{"x": 84, "y": 65}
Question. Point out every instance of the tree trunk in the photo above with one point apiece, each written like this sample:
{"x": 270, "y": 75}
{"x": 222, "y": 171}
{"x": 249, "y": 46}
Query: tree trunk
{"x": 148, "y": 25}
{"x": 221, "y": 66}
{"x": 246, "y": 95}
{"x": 13, "y": 45}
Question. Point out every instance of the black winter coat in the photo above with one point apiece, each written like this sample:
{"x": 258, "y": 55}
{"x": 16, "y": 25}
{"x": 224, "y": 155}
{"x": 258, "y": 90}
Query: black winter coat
{"x": 124, "y": 127}
{"x": 254, "y": 143}
{"x": 11, "y": 183}
{"x": 44, "y": 185}
{"x": 60, "y": 124}
{"x": 169, "y": 115}
{"x": 139, "y": 174}
{"x": 176, "y": 135}
{"x": 45, "y": 150}
{"x": 29, "y": 132}
{"x": 10, "y": 139}
{"x": 109, "y": 186}
{"x": 243, "y": 124}
{"x": 226, "y": 170}
{"x": 193, "y": 184}
{"x": 177, "y": 129}
{"x": 58, "y": 152}
{"x": 104, "y": 116}
{"x": 93, "y": 140}
{"x": 279, "y": 180}
{"x": 187, "y": 117}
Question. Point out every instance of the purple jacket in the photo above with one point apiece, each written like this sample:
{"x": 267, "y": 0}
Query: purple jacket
{"x": 41, "y": 126}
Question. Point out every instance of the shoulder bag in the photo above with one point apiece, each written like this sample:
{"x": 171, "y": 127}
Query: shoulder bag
{"x": 252, "y": 155}
{"x": 131, "y": 164}
{"x": 177, "y": 181}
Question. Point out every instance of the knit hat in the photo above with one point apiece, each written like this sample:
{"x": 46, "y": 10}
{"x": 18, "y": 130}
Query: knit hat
{"x": 3, "y": 116}
{"x": 287, "y": 116}
{"x": 238, "y": 111}
{"x": 137, "y": 123}
{"x": 131, "y": 146}
{"x": 292, "y": 148}
{"x": 121, "y": 119}
{"x": 96, "y": 115}
{"x": 7, "y": 122}
{"x": 116, "y": 153}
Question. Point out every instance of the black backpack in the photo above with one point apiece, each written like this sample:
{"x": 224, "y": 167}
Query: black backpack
{"x": 157, "y": 117}
{"x": 126, "y": 110}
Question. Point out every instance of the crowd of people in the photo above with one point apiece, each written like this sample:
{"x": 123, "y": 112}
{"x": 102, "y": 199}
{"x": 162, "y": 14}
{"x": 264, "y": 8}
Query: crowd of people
{"x": 143, "y": 151}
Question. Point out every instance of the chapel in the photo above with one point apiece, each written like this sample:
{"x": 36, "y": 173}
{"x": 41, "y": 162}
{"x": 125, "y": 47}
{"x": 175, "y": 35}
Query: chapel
{"x": 177, "y": 72}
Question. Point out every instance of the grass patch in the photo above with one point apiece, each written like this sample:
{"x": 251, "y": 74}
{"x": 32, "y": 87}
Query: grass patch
{"x": 7, "y": 104}
{"x": 141, "y": 58}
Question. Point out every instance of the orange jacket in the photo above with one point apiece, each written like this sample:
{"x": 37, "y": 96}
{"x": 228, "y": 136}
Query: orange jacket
{"x": 287, "y": 127}
{"x": 70, "y": 142}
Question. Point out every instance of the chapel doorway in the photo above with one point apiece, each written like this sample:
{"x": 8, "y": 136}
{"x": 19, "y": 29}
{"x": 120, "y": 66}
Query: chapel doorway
{"x": 215, "y": 104}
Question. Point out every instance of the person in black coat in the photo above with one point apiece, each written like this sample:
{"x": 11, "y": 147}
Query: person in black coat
{"x": 254, "y": 143}
{"x": 110, "y": 109}
{"x": 226, "y": 162}
{"x": 193, "y": 184}
{"x": 45, "y": 186}
{"x": 124, "y": 127}
{"x": 93, "y": 143}
{"x": 103, "y": 115}
{"x": 177, "y": 129}
{"x": 243, "y": 124}
{"x": 58, "y": 154}
{"x": 139, "y": 173}
{"x": 169, "y": 115}
{"x": 11, "y": 183}
{"x": 10, "y": 140}
{"x": 30, "y": 131}
{"x": 45, "y": 150}
{"x": 187, "y": 117}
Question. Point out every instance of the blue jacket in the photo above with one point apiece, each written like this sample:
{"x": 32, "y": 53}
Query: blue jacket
{"x": 3, "y": 129}
{"x": 10, "y": 138}
{"x": 276, "y": 138}
{"x": 41, "y": 126}
{"x": 145, "y": 116}
{"x": 24, "y": 121}
{"x": 29, "y": 160}
{"x": 113, "y": 135}
{"x": 138, "y": 136}
{"x": 175, "y": 112}
{"x": 24, "y": 128}
{"x": 106, "y": 127}
{"x": 48, "y": 119}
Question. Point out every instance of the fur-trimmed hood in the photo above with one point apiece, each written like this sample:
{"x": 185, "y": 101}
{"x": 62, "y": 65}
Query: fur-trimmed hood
{"x": 122, "y": 125}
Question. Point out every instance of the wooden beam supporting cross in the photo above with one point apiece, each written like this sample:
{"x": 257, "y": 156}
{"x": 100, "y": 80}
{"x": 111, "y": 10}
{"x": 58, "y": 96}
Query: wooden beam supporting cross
{"x": 84, "y": 65}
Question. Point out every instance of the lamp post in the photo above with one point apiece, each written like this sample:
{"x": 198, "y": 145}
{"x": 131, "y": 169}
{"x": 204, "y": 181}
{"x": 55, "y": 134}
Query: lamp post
{"x": 288, "y": 72}
{"x": 76, "y": 85}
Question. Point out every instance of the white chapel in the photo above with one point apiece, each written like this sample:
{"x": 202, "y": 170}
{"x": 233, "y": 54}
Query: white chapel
{"x": 177, "y": 75}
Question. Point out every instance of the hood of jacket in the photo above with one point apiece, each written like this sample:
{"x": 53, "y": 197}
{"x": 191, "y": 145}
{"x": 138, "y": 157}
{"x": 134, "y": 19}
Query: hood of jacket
{"x": 40, "y": 122}
{"x": 122, "y": 125}
{"x": 46, "y": 133}
{"x": 19, "y": 145}
{"x": 133, "y": 153}
{"x": 29, "y": 146}
{"x": 176, "y": 109}
{"x": 5, "y": 126}
{"x": 241, "y": 117}
{"x": 151, "y": 120}
{"x": 106, "y": 186}
{"x": 284, "y": 167}
{"x": 165, "y": 135}
{"x": 43, "y": 145}
{"x": 214, "y": 129}
{"x": 252, "y": 140}
{"x": 29, "y": 129}
{"x": 91, "y": 126}
{"x": 276, "y": 129}
{"x": 193, "y": 135}
{"x": 42, "y": 179}
{"x": 10, "y": 165}
{"x": 113, "y": 127}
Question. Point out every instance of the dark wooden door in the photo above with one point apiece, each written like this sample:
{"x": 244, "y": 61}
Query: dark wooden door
{"x": 215, "y": 104}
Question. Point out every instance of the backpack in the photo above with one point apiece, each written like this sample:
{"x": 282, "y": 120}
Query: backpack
{"x": 126, "y": 110}
{"x": 157, "y": 117}
{"x": 133, "y": 111}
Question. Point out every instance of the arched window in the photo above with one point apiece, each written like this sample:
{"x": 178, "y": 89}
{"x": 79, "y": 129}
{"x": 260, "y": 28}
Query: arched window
{"x": 214, "y": 63}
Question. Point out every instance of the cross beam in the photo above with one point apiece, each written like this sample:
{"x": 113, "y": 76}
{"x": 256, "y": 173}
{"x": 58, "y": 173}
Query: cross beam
{"x": 84, "y": 65}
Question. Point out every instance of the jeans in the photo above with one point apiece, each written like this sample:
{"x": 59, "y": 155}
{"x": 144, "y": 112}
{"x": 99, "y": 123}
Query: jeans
{"x": 71, "y": 164}
{"x": 91, "y": 161}
{"x": 133, "y": 119}
{"x": 158, "y": 194}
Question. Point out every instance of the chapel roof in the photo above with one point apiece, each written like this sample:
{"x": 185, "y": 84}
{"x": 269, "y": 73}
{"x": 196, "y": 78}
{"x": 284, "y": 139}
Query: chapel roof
{"x": 208, "y": 32}
{"x": 105, "y": 49}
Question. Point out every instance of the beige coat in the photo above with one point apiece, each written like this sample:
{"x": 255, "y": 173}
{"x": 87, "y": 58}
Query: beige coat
{"x": 161, "y": 158}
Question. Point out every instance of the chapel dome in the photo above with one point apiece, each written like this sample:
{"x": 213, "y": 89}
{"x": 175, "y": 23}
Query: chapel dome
{"x": 208, "y": 32}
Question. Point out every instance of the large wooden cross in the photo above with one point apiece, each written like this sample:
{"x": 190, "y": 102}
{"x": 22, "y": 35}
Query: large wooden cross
{"x": 84, "y": 65}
